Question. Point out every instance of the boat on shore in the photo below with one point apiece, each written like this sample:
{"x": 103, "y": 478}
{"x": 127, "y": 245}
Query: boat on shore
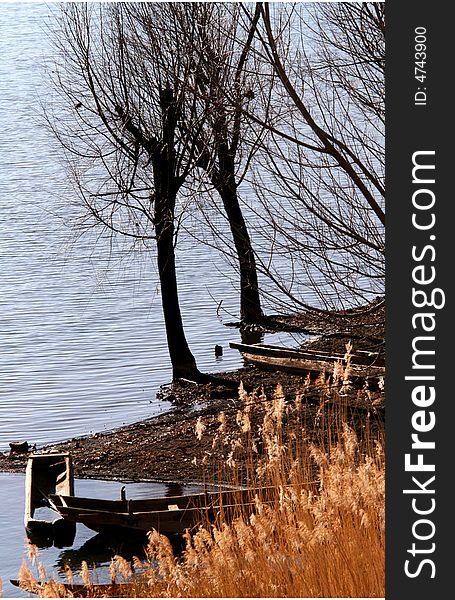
{"x": 47, "y": 474}
{"x": 362, "y": 364}
{"x": 50, "y": 484}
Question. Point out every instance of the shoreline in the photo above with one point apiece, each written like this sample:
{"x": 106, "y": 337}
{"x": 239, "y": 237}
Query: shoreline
{"x": 165, "y": 448}
{"x": 161, "y": 448}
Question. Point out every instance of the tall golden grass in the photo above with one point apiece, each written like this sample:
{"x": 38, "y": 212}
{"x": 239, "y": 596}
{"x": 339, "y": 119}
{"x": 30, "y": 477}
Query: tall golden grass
{"x": 318, "y": 530}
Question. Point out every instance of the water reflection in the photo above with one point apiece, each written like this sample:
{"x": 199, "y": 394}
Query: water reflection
{"x": 45, "y": 534}
{"x": 99, "y": 550}
{"x": 174, "y": 489}
{"x": 251, "y": 336}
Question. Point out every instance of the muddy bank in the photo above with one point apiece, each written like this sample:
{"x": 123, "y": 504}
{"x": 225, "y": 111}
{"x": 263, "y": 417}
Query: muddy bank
{"x": 163, "y": 447}
{"x": 166, "y": 448}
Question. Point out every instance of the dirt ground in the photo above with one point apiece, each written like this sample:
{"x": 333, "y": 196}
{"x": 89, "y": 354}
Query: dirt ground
{"x": 166, "y": 448}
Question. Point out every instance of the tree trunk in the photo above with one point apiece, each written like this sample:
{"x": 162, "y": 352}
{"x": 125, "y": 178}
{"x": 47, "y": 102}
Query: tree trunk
{"x": 166, "y": 188}
{"x": 224, "y": 182}
{"x": 250, "y": 303}
{"x": 182, "y": 360}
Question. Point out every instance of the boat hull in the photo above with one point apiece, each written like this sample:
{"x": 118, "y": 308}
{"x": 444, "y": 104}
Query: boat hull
{"x": 302, "y": 362}
{"x": 170, "y": 515}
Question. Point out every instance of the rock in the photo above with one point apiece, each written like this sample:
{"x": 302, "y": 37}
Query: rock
{"x": 19, "y": 447}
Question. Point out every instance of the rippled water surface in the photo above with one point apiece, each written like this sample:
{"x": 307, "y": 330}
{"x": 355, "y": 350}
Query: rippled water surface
{"x": 82, "y": 344}
{"x": 87, "y": 545}
{"x": 81, "y": 335}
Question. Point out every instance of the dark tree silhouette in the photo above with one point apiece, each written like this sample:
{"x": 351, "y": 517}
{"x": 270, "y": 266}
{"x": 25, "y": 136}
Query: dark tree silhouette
{"x": 125, "y": 149}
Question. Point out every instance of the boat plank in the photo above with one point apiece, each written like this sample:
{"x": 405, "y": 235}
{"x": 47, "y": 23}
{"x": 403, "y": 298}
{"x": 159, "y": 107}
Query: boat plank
{"x": 108, "y": 590}
{"x": 164, "y": 521}
{"x": 150, "y": 504}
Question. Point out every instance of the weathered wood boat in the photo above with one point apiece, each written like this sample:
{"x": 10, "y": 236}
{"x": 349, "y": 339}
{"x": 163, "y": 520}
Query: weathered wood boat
{"x": 75, "y": 590}
{"x": 170, "y": 515}
{"x": 47, "y": 474}
{"x": 362, "y": 364}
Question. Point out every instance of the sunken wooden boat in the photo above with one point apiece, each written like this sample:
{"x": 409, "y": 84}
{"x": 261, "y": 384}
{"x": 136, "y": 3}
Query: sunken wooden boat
{"x": 47, "y": 474}
{"x": 362, "y": 364}
{"x": 74, "y": 590}
{"x": 169, "y": 516}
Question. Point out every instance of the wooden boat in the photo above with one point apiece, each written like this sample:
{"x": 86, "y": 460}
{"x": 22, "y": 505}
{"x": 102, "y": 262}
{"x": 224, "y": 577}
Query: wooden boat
{"x": 170, "y": 515}
{"x": 76, "y": 590}
{"x": 362, "y": 364}
{"x": 47, "y": 474}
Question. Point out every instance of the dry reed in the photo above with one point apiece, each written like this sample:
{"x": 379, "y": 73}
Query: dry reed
{"x": 317, "y": 530}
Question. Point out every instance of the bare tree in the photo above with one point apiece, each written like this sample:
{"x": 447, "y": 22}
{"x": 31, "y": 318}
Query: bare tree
{"x": 146, "y": 85}
{"x": 126, "y": 84}
{"x": 160, "y": 96}
{"x": 323, "y": 164}
{"x": 221, "y": 49}
{"x": 222, "y": 78}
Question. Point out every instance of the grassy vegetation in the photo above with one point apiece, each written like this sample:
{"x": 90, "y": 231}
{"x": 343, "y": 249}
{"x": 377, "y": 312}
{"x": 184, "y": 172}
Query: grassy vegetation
{"x": 318, "y": 532}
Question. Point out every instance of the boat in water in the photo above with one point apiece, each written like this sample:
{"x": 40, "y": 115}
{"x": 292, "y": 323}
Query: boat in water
{"x": 169, "y": 515}
{"x": 48, "y": 474}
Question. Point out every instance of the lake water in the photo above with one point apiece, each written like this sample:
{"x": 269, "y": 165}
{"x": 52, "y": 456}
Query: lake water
{"x": 82, "y": 341}
{"x": 87, "y": 544}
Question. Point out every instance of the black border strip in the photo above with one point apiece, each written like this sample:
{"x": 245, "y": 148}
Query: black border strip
{"x": 426, "y": 125}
